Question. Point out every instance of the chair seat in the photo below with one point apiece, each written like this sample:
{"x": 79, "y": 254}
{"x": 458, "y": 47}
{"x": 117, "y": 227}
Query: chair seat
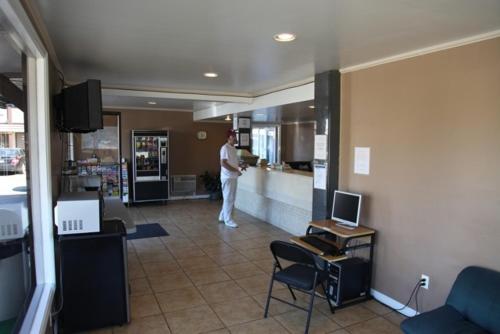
{"x": 442, "y": 320}
{"x": 299, "y": 276}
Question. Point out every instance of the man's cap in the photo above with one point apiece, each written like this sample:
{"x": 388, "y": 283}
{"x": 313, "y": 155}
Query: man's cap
{"x": 230, "y": 133}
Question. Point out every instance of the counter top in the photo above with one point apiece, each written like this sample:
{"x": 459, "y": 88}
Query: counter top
{"x": 287, "y": 171}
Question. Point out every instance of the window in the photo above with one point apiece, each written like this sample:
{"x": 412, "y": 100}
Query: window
{"x": 17, "y": 268}
{"x": 265, "y": 143}
{"x": 18, "y": 29}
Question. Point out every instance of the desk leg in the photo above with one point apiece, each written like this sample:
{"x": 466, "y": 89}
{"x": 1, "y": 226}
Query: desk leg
{"x": 370, "y": 267}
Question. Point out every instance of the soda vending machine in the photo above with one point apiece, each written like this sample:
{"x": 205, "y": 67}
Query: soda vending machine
{"x": 150, "y": 165}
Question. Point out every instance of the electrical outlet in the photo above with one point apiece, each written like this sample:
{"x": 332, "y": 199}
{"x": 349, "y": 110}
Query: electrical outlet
{"x": 425, "y": 283}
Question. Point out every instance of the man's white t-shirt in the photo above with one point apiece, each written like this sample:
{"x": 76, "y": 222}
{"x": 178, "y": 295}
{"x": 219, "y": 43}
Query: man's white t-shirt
{"x": 228, "y": 152}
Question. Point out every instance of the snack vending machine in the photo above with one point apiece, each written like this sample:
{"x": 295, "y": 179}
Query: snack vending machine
{"x": 150, "y": 165}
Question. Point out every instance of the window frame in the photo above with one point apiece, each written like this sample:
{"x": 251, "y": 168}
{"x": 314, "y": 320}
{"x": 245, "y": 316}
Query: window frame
{"x": 21, "y": 31}
{"x": 277, "y": 126}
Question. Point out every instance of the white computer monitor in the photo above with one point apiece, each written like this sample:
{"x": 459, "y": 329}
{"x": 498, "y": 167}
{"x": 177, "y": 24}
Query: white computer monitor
{"x": 346, "y": 208}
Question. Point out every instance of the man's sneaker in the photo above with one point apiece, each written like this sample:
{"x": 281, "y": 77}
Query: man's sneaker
{"x": 221, "y": 219}
{"x": 231, "y": 224}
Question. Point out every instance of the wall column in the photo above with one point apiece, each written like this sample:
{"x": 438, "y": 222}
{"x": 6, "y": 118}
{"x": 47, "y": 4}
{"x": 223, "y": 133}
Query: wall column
{"x": 327, "y": 110}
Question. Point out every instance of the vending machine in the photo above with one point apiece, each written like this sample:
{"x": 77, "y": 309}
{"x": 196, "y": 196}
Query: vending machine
{"x": 150, "y": 165}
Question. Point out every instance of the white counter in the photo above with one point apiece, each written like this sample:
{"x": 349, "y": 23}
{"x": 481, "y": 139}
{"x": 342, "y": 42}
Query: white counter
{"x": 283, "y": 199}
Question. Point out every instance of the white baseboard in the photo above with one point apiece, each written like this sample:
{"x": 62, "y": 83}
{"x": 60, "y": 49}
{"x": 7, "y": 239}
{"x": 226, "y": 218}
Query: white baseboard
{"x": 392, "y": 303}
{"x": 176, "y": 198}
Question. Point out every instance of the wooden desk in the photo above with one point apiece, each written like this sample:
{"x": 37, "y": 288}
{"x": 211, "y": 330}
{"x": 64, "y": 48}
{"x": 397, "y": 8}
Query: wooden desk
{"x": 343, "y": 261}
{"x": 332, "y": 227}
{"x": 339, "y": 232}
{"x": 311, "y": 248}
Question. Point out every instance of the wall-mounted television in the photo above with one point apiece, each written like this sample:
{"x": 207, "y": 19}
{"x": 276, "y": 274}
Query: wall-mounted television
{"x": 79, "y": 107}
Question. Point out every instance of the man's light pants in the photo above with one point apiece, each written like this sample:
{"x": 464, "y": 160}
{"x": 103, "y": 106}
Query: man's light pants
{"x": 229, "y": 196}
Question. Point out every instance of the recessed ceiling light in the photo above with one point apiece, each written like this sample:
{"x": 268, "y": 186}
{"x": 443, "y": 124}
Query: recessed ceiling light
{"x": 228, "y": 118}
{"x": 211, "y": 75}
{"x": 152, "y": 102}
{"x": 284, "y": 37}
{"x": 311, "y": 107}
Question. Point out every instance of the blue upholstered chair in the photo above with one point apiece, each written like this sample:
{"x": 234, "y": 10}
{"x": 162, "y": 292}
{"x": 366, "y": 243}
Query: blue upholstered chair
{"x": 473, "y": 306}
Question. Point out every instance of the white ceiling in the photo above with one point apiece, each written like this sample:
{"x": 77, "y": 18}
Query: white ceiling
{"x": 169, "y": 44}
{"x": 133, "y": 102}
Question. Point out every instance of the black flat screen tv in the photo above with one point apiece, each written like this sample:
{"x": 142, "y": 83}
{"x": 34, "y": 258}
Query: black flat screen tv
{"x": 80, "y": 107}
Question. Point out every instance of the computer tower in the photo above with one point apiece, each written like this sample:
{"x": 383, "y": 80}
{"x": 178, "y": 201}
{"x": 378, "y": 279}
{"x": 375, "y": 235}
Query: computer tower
{"x": 348, "y": 280}
{"x": 95, "y": 291}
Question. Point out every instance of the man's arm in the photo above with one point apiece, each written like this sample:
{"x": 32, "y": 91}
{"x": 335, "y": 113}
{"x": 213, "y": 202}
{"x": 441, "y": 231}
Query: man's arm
{"x": 226, "y": 165}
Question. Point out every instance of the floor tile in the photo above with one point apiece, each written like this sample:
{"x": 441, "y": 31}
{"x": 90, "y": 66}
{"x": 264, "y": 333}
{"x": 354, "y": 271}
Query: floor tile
{"x": 139, "y": 286}
{"x": 226, "y": 259}
{"x": 148, "y": 325}
{"x": 262, "y": 326}
{"x": 155, "y": 256}
{"x": 187, "y": 253}
{"x": 221, "y": 248}
{"x": 160, "y": 268}
{"x": 275, "y": 306}
{"x": 197, "y": 263}
{"x": 376, "y": 307}
{"x": 219, "y": 331}
{"x": 135, "y": 270}
{"x": 295, "y": 322}
{"x": 339, "y": 331}
{"x": 143, "y": 306}
{"x": 148, "y": 244}
{"x": 395, "y": 317}
{"x": 242, "y": 270}
{"x": 352, "y": 315}
{"x": 266, "y": 265}
{"x": 238, "y": 311}
{"x": 199, "y": 319}
{"x": 169, "y": 281}
{"x": 254, "y": 285}
{"x": 221, "y": 292}
{"x": 256, "y": 254}
{"x": 208, "y": 275}
{"x": 179, "y": 299}
{"x": 377, "y": 325}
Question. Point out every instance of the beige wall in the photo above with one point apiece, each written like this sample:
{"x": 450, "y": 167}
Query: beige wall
{"x": 297, "y": 142}
{"x": 433, "y": 195}
{"x": 188, "y": 155}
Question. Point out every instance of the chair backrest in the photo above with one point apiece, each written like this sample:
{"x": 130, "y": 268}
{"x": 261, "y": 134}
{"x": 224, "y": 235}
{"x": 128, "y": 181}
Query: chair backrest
{"x": 291, "y": 252}
{"x": 476, "y": 294}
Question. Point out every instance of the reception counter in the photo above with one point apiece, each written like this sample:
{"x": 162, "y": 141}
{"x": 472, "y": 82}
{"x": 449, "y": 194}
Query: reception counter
{"x": 282, "y": 198}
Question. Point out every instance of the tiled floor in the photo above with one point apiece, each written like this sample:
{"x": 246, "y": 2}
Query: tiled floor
{"x": 208, "y": 278}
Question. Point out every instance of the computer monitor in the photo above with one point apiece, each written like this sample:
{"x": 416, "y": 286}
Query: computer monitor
{"x": 346, "y": 209}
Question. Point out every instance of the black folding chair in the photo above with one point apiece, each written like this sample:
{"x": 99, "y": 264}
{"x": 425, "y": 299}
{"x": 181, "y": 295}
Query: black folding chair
{"x": 304, "y": 275}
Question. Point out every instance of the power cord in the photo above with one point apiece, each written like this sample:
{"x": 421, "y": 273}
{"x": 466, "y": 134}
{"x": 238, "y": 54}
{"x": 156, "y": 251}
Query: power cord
{"x": 415, "y": 291}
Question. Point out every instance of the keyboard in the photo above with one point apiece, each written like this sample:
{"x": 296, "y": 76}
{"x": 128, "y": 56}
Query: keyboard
{"x": 325, "y": 247}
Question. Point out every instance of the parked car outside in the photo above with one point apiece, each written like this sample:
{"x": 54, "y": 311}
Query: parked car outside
{"x": 12, "y": 160}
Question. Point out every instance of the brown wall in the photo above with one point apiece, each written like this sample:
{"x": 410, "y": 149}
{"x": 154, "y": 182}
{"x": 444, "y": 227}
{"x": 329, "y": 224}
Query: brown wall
{"x": 433, "y": 195}
{"x": 297, "y": 142}
{"x": 188, "y": 155}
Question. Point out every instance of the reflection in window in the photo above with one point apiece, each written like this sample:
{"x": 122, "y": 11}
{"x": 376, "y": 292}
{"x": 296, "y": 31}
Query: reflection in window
{"x": 17, "y": 269}
{"x": 264, "y": 143}
{"x": 16, "y": 263}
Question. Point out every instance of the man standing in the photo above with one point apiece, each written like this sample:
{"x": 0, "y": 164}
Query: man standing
{"x": 229, "y": 173}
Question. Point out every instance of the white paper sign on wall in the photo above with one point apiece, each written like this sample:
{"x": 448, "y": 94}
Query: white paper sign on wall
{"x": 362, "y": 160}
{"x": 320, "y": 147}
